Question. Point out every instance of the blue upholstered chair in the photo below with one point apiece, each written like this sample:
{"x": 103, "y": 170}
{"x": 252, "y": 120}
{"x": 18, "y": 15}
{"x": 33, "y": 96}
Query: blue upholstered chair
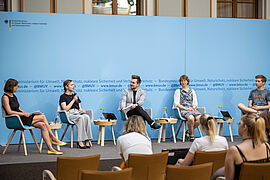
{"x": 14, "y": 122}
{"x": 184, "y": 120}
{"x": 65, "y": 120}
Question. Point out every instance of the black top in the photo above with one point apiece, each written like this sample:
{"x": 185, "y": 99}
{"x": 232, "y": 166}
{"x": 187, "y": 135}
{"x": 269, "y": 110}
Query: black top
{"x": 134, "y": 97}
{"x": 68, "y": 98}
{"x": 13, "y": 103}
{"x": 238, "y": 166}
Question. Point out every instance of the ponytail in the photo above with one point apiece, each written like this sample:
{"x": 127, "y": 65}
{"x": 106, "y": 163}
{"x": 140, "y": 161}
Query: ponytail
{"x": 208, "y": 122}
{"x": 256, "y": 127}
{"x": 212, "y": 129}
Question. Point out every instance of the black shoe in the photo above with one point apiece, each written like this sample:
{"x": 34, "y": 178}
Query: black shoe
{"x": 81, "y": 147}
{"x": 155, "y": 126}
{"x": 191, "y": 139}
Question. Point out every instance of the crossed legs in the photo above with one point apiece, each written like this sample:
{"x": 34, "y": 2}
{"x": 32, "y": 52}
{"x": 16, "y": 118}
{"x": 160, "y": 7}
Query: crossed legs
{"x": 40, "y": 121}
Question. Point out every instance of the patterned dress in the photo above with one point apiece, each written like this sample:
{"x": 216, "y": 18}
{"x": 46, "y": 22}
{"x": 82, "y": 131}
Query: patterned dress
{"x": 186, "y": 100}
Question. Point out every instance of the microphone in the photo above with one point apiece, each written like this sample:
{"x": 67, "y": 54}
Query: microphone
{"x": 75, "y": 94}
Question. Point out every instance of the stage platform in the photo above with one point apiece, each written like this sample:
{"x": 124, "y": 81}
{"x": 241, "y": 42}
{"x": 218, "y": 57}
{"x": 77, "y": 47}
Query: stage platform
{"x": 14, "y": 165}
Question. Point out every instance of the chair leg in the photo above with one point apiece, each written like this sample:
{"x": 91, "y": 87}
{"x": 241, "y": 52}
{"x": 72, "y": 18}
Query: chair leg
{"x": 24, "y": 144}
{"x": 174, "y": 139}
{"x": 41, "y": 143}
{"x": 184, "y": 131}
{"x": 64, "y": 133}
{"x": 99, "y": 133}
{"x": 179, "y": 128}
{"x": 20, "y": 142}
{"x": 113, "y": 135}
{"x": 71, "y": 141}
{"x": 102, "y": 135}
{"x": 34, "y": 139}
{"x": 199, "y": 131}
{"x": 90, "y": 143}
{"x": 4, "y": 152}
{"x": 159, "y": 135}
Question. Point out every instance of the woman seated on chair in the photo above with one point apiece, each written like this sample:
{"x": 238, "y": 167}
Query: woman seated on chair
{"x": 210, "y": 142}
{"x": 11, "y": 106}
{"x": 134, "y": 138}
{"x": 254, "y": 148}
{"x": 70, "y": 102}
{"x": 186, "y": 100}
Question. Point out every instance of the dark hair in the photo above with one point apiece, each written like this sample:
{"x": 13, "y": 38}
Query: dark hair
{"x": 136, "y": 77}
{"x": 184, "y": 77}
{"x": 66, "y": 83}
{"x": 262, "y": 77}
{"x": 266, "y": 116}
{"x": 10, "y": 84}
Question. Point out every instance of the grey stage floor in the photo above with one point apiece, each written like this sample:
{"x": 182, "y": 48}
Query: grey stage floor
{"x": 109, "y": 151}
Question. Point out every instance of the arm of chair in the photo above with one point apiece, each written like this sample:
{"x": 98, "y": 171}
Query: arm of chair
{"x": 48, "y": 174}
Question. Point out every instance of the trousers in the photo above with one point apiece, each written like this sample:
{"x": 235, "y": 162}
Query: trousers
{"x": 83, "y": 124}
{"x": 140, "y": 112}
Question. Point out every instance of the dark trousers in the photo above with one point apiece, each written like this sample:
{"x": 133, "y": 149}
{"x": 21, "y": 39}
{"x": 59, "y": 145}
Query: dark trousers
{"x": 140, "y": 112}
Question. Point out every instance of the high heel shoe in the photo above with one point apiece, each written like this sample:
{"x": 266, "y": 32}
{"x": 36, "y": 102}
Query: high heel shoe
{"x": 81, "y": 147}
{"x": 61, "y": 144}
{"x": 90, "y": 144}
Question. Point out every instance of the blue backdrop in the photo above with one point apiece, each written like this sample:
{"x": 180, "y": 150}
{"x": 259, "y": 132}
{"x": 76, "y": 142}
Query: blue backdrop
{"x": 100, "y": 53}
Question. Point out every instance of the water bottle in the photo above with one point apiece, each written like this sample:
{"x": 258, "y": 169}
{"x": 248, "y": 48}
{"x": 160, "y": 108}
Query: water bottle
{"x": 219, "y": 113}
{"x": 101, "y": 113}
{"x": 165, "y": 115}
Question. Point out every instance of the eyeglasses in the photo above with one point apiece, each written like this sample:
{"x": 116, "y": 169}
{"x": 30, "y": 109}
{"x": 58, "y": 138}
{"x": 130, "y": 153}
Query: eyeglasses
{"x": 258, "y": 81}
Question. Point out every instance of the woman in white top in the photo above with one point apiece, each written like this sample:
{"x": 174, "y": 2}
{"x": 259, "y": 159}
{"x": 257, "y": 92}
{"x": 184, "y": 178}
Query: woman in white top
{"x": 210, "y": 142}
{"x": 186, "y": 100}
{"x": 134, "y": 139}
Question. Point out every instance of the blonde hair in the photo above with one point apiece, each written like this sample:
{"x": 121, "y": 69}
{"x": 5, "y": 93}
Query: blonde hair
{"x": 208, "y": 122}
{"x": 135, "y": 124}
{"x": 256, "y": 127}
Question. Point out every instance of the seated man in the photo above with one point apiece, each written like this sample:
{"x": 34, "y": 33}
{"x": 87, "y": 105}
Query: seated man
{"x": 259, "y": 99}
{"x": 133, "y": 99}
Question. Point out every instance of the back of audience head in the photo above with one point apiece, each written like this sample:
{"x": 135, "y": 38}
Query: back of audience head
{"x": 266, "y": 116}
{"x": 135, "y": 124}
{"x": 208, "y": 124}
{"x": 255, "y": 127}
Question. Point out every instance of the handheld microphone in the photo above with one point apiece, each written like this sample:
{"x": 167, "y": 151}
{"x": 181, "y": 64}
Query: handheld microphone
{"x": 75, "y": 94}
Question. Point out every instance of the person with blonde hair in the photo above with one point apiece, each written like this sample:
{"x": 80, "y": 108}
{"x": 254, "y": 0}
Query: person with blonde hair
{"x": 134, "y": 138}
{"x": 253, "y": 148}
{"x": 210, "y": 142}
{"x": 70, "y": 102}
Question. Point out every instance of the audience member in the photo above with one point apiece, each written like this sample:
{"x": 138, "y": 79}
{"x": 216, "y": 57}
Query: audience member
{"x": 70, "y": 102}
{"x": 11, "y": 105}
{"x": 210, "y": 142}
{"x": 266, "y": 116}
{"x": 253, "y": 148}
{"x": 134, "y": 139}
